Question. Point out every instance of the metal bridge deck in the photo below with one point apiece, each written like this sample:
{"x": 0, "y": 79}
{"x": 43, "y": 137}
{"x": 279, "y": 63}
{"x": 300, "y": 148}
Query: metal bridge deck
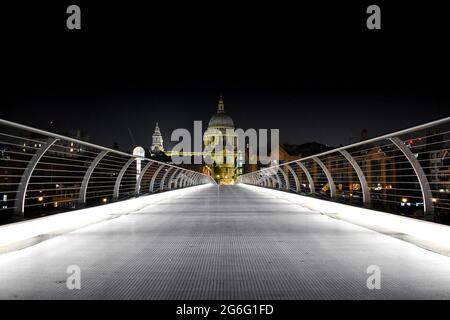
{"x": 227, "y": 242}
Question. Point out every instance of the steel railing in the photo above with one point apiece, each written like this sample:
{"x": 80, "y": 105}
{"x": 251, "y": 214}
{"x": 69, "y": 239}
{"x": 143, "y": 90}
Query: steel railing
{"x": 43, "y": 172}
{"x": 405, "y": 172}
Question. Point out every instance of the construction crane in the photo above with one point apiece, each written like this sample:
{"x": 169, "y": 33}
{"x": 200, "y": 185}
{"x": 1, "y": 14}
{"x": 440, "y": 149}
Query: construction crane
{"x": 132, "y": 138}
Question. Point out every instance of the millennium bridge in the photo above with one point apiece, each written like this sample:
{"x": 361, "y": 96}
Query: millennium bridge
{"x": 365, "y": 221}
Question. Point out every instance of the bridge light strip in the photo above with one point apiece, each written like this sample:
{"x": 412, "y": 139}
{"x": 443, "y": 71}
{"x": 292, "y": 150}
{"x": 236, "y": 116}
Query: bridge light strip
{"x": 429, "y": 235}
{"x": 22, "y": 234}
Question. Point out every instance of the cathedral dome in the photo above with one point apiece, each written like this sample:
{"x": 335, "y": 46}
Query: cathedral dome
{"x": 220, "y": 119}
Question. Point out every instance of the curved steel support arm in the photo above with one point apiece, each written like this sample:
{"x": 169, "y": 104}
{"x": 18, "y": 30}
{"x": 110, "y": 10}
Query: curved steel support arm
{"x": 328, "y": 175}
{"x": 274, "y": 173}
{"x": 196, "y": 179}
{"x": 427, "y": 196}
{"x": 185, "y": 180}
{"x": 120, "y": 176}
{"x": 87, "y": 176}
{"x": 261, "y": 180}
{"x": 26, "y": 176}
{"x": 179, "y": 179}
{"x": 161, "y": 185}
{"x": 155, "y": 175}
{"x": 189, "y": 179}
{"x": 267, "y": 181}
{"x": 152, "y": 182}
{"x": 141, "y": 176}
{"x": 287, "y": 185}
{"x": 297, "y": 183}
{"x": 360, "y": 174}
{"x": 253, "y": 179}
{"x": 273, "y": 177}
{"x": 169, "y": 185}
{"x": 312, "y": 188}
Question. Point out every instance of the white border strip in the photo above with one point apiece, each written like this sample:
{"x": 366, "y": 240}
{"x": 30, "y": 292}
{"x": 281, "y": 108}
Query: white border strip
{"x": 428, "y": 235}
{"x": 23, "y": 234}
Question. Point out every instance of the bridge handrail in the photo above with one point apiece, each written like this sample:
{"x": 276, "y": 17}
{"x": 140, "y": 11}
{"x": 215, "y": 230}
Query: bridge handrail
{"x": 331, "y": 161}
{"x": 85, "y": 143}
{"x": 119, "y": 167}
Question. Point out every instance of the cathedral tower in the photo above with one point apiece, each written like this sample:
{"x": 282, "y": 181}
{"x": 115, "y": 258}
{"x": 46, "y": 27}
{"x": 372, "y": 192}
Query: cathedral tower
{"x": 157, "y": 141}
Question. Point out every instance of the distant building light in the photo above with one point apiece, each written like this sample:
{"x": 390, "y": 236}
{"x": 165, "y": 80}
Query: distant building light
{"x": 40, "y": 199}
{"x": 404, "y": 200}
{"x": 105, "y": 200}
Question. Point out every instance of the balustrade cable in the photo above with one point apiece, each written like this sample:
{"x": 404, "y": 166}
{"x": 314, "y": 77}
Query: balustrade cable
{"x": 405, "y": 172}
{"x": 43, "y": 173}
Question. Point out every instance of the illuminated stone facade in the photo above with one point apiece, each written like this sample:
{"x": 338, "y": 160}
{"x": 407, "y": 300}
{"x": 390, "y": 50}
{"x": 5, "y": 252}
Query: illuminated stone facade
{"x": 157, "y": 141}
{"x": 220, "y": 146}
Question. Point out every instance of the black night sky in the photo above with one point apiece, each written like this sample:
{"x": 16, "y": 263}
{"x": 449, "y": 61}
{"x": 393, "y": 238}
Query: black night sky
{"x": 314, "y": 72}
